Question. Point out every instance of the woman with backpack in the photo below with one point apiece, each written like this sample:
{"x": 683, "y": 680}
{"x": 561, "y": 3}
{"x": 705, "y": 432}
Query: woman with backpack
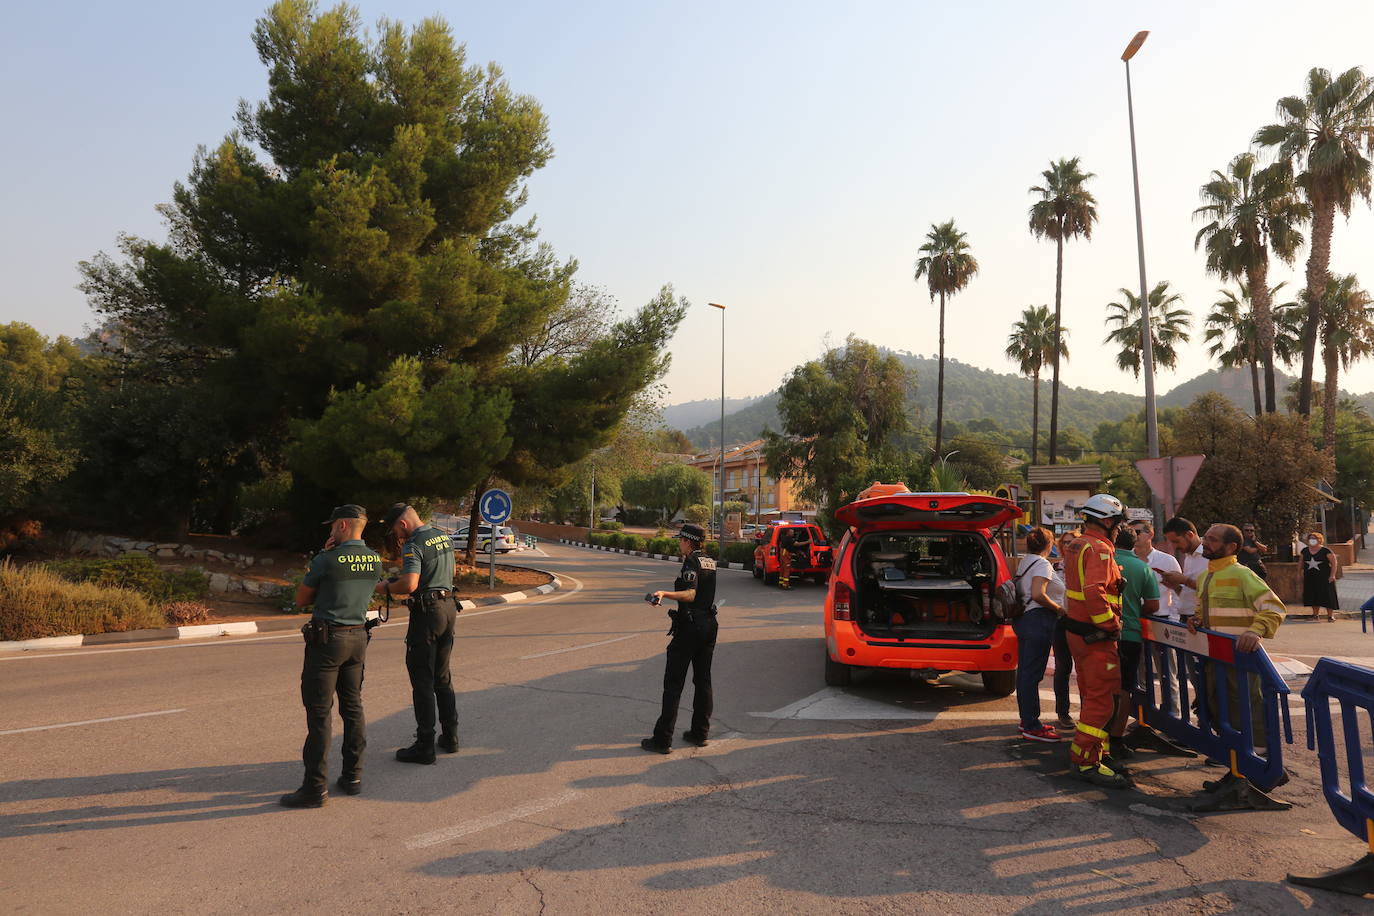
{"x": 1042, "y": 595}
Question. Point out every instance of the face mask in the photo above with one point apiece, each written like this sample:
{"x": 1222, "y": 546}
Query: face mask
{"x": 1312, "y": 542}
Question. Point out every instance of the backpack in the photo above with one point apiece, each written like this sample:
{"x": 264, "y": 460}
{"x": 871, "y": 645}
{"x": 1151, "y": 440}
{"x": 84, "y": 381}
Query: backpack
{"x": 1013, "y": 604}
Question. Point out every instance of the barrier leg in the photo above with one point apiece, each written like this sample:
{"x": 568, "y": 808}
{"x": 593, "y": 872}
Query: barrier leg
{"x": 1356, "y": 879}
{"x": 1234, "y": 792}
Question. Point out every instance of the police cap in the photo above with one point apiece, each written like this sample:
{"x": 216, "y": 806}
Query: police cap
{"x": 692, "y": 533}
{"x": 349, "y": 510}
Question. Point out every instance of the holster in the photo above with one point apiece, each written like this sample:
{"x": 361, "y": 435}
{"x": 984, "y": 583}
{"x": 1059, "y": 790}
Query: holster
{"x": 316, "y": 632}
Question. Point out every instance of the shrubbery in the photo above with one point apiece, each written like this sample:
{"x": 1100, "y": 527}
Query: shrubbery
{"x": 181, "y": 613}
{"x": 36, "y": 602}
{"x": 136, "y": 572}
{"x": 611, "y": 526}
{"x": 740, "y": 552}
{"x": 664, "y": 545}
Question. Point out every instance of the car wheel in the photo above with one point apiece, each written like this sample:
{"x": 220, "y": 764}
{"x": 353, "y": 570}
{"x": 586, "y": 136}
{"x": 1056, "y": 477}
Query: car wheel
{"x": 758, "y": 572}
{"x": 818, "y": 578}
{"x": 837, "y": 674}
{"x": 770, "y": 578}
{"x": 999, "y": 683}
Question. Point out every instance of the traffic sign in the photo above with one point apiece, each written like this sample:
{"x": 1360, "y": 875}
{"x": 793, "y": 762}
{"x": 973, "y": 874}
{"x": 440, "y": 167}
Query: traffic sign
{"x": 1170, "y": 478}
{"x": 495, "y": 506}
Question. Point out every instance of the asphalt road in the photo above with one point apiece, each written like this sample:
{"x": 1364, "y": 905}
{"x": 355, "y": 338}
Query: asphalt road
{"x": 144, "y": 779}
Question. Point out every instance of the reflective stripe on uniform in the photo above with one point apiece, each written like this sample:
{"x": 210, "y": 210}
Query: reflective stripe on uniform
{"x": 1103, "y": 617}
{"x": 1094, "y": 732}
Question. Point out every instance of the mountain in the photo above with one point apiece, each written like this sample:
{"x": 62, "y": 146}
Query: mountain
{"x": 695, "y": 413}
{"x": 1234, "y": 383}
{"x": 970, "y": 394}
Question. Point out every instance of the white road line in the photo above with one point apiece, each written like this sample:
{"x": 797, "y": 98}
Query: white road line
{"x": 590, "y": 645}
{"x": 457, "y": 831}
{"x": 137, "y": 715}
{"x": 222, "y": 643}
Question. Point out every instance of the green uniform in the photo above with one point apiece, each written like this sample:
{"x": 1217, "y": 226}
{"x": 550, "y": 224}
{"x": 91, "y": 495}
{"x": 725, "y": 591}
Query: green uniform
{"x": 343, "y": 577}
{"x": 1141, "y": 586}
{"x": 429, "y": 552}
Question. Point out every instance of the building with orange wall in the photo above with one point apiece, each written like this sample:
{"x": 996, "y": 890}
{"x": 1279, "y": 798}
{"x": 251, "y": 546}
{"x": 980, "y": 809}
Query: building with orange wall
{"x": 747, "y": 480}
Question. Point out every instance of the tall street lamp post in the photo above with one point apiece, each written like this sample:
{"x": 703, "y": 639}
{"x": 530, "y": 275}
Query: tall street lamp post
{"x": 1147, "y": 339}
{"x": 720, "y": 528}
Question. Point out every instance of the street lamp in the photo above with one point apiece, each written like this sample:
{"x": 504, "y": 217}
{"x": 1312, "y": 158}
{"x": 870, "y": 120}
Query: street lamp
{"x": 1147, "y": 339}
{"x": 720, "y": 529}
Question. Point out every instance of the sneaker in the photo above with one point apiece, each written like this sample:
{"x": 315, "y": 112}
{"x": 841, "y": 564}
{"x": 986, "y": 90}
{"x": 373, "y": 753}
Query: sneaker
{"x": 1066, "y": 723}
{"x": 692, "y": 737}
{"x": 419, "y": 752}
{"x": 350, "y": 786}
{"x": 1043, "y": 733}
{"x": 1102, "y": 776}
{"x": 448, "y": 742}
{"x": 649, "y": 744}
{"x": 301, "y": 798}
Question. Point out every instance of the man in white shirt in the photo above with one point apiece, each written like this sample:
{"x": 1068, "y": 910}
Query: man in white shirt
{"x": 1183, "y": 537}
{"x": 1162, "y": 564}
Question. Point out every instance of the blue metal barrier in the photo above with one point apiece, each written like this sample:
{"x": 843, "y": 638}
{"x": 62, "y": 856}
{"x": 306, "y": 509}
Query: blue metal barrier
{"x": 1202, "y": 659}
{"x": 1364, "y": 614}
{"x": 1353, "y": 687}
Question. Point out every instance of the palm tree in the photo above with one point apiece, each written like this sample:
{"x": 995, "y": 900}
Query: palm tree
{"x": 1033, "y": 343}
{"x": 1319, "y": 137}
{"x": 948, "y": 265}
{"x": 1168, "y": 327}
{"x": 1232, "y": 334}
{"x": 1347, "y": 318}
{"x": 1252, "y": 212}
{"x": 1064, "y": 211}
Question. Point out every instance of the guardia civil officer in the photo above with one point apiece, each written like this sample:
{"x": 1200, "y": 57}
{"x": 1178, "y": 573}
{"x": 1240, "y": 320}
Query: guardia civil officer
{"x": 339, "y": 584}
{"x": 427, "y": 578}
{"x": 693, "y": 643}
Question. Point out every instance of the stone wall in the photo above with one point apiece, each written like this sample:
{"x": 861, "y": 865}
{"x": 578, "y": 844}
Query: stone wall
{"x": 105, "y": 545}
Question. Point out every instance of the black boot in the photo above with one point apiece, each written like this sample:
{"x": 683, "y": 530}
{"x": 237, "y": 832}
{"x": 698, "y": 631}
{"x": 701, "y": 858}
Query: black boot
{"x": 696, "y": 738}
{"x": 350, "y": 785}
{"x": 304, "y": 798}
{"x": 649, "y": 744}
{"x": 448, "y": 742}
{"x": 419, "y": 752}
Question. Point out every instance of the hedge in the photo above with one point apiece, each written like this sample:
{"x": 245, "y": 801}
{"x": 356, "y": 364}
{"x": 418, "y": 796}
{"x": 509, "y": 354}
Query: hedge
{"x": 136, "y": 572}
{"x": 36, "y": 602}
{"x": 740, "y": 552}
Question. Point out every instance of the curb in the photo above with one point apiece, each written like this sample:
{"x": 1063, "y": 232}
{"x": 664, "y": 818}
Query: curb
{"x": 720, "y": 564}
{"x": 237, "y": 628}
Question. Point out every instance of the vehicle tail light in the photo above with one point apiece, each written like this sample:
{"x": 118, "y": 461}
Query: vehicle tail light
{"x": 772, "y": 551}
{"x": 841, "y": 605}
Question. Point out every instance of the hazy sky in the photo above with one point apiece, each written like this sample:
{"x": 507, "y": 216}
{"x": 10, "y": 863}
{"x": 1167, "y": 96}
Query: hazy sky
{"x": 783, "y": 158}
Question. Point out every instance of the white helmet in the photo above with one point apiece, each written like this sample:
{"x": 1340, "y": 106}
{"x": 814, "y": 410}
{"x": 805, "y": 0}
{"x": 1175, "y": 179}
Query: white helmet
{"x": 1103, "y": 506}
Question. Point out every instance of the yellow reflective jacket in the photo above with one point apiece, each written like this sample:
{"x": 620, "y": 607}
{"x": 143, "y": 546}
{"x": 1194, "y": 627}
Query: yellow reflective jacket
{"x": 1231, "y": 596}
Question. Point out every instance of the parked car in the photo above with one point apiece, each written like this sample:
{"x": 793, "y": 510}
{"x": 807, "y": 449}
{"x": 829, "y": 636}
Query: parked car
{"x": 505, "y": 539}
{"x": 919, "y": 582}
{"x": 807, "y": 543}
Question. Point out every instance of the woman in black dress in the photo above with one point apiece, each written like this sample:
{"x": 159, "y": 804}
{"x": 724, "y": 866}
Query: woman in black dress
{"x": 1319, "y": 567}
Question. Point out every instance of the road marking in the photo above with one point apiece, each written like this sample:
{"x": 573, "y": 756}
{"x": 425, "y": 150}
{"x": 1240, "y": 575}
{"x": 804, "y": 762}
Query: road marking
{"x": 835, "y": 704}
{"x": 590, "y": 645}
{"x": 137, "y": 715}
{"x": 457, "y": 831}
{"x": 642, "y": 569}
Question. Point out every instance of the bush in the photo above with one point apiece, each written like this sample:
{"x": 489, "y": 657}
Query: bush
{"x": 611, "y": 526}
{"x": 665, "y": 545}
{"x": 137, "y": 572}
{"x": 740, "y": 552}
{"x": 712, "y": 549}
{"x": 641, "y": 517}
{"x": 634, "y": 542}
{"x": 36, "y": 602}
{"x": 600, "y": 540}
{"x": 181, "y": 613}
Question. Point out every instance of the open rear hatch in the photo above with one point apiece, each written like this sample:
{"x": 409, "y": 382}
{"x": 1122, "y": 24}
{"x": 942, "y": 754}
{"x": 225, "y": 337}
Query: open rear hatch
{"x": 923, "y": 585}
{"x": 946, "y": 511}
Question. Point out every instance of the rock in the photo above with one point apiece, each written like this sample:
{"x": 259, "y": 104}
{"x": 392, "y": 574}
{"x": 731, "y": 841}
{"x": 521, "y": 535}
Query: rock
{"x": 247, "y": 561}
{"x": 214, "y": 555}
{"x": 268, "y": 561}
{"x": 144, "y": 545}
{"x": 166, "y": 554}
{"x": 187, "y": 551}
{"x": 235, "y": 584}
{"x": 219, "y": 582}
{"x": 168, "y": 546}
{"x": 270, "y": 589}
{"x": 252, "y": 586}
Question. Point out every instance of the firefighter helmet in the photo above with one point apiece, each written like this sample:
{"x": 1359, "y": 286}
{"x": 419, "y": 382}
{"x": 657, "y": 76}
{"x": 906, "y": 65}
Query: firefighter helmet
{"x": 1103, "y": 506}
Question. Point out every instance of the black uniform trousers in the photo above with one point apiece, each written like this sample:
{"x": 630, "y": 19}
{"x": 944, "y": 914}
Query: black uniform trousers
{"x": 429, "y": 645}
{"x": 693, "y": 643}
{"x": 335, "y": 667}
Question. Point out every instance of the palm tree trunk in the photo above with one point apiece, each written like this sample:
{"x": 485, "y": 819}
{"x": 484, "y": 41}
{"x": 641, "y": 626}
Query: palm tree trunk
{"x": 1254, "y": 377}
{"x": 1262, "y": 305}
{"x": 1318, "y": 263}
{"x": 940, "y": 389}
{"x": 1329, "y": 395}
{"x": 1058, "y": 302}
{"x": 1035, "y": 418}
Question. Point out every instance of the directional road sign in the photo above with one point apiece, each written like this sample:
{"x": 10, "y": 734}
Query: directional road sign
{"x": 495, "y": 506}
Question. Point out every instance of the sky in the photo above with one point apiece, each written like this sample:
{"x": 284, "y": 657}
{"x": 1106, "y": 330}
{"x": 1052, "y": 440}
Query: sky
{"x": 784, "y": 159}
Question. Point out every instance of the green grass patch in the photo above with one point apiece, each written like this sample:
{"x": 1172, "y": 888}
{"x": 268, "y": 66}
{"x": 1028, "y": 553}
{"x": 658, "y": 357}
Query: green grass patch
{"x": 136, "y": 572}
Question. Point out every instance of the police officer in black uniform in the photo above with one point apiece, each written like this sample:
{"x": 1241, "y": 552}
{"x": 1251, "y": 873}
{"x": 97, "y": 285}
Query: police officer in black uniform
{"x": 339, "y": 584}
{"x": 693, "y": 643}
{"x": 427, "y": 578}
